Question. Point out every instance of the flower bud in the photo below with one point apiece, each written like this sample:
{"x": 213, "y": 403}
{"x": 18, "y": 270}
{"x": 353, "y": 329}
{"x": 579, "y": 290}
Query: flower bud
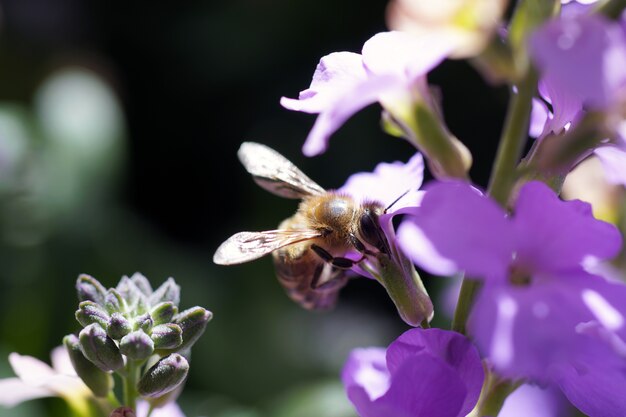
{"x": 89, "y": 312}
{"x": 119, "y": 326}
{"x": 142, "y": 283}
{"x": 192, "y": 321}
{"x": 114, "y": 302}
{"x": 123, "y": 412}
{"x": 137, "y": 345}
{"x": 100, "y": 383}
{"x": 167, "y": 374}
{"x": 143, "y": 322}
{"x": 163, "y": 312}
{"x": 167, "y": 336}
{"x": 100, "y": 349}
{"x": 90, "y": 289}
{"x": 168, "y": 291}
{"x": 135, "y": 299}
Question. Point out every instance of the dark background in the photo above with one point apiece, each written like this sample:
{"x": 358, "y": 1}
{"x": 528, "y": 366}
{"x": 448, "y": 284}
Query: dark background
{"x": 194, "y": 80}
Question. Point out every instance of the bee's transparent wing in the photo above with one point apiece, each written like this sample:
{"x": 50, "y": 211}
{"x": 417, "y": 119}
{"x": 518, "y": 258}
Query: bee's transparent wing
{"x": 247, "y": 246}
{"x": 275, "y": 173}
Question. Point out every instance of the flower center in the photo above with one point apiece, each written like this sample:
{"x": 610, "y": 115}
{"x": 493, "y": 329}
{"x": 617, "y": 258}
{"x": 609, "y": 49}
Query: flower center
{"x": 519, "y": 275}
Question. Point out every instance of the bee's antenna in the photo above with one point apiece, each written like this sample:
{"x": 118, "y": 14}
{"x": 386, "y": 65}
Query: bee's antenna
{"x": 396, "y": 200}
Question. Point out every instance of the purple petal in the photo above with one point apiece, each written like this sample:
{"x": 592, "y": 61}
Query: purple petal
{"x": 14, "y": 391}
{"x": 554, "y": 235}
{"x": 405, "y": 54}
{"x": 423, "y": 386}
{"x": 30, "y": 370}
{"x": 531, "y": 400}
{"x": 389, "y": 182}
{"x": 452, "y": 348}
{"x": 595, "y": 390}
{"x": 61, "y": 362}
{"x": 585, "y": 56}
{"x": 533, "y": 331}
{"x": 169, "y": 410}
{"x": 457, "y": 228}
{"x": 345, "y": 105}
{"x": 335, "y": 74}
{"x": 613, "y": 161}
{"x": 367, "y": 368}
{"x": 539, "y": 118}
{"x": 566, "y": 106}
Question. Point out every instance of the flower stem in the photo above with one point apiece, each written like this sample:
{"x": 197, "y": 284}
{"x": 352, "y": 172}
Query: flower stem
{"x": 130, "y": 384}
{"x": 469, "y": 288}
{"x": 503, "y": 176}
{"x": 513, "y": 139}
{"x": 494, "y": 393}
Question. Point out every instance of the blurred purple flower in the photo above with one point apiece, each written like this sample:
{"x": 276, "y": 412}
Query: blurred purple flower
{"x": 540, "y": 314}
{"x": 432, "y": 373}
{"x": 582, "y": 58}
{"x": 36, "y": 379}
{"x": 391, "y": 69}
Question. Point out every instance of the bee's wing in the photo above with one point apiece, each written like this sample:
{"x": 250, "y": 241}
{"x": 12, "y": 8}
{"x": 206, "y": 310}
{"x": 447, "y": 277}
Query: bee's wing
{"x": 247, "y": 246}
{"x": 275, "y": 173}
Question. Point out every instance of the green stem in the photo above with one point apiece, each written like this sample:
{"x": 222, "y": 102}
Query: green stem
{"x": 514, "y": 136}
{"x": 469, "y": 288}
{"x": 503, "y": 176}
{"x": 130, "y": 384}
{"x": 495, "y": 391}
{"x": 112, "y": 399}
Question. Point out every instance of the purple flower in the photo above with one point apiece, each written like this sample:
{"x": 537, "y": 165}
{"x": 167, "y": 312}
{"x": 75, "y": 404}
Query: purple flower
{"x": 582, "y": 58}
{"x": 432, "y": 373}
{"x": 391, "y": 70}
{"x": 540, "y": 314}
{"x": 36, "y": 379}
{"x": 395, "y": 186}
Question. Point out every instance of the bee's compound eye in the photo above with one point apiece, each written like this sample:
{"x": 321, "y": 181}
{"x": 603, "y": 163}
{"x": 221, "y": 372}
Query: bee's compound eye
{"x": 370, "y": 230}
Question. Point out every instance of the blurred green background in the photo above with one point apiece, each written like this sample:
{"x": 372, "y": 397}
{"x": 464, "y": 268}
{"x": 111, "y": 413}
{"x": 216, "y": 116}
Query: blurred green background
{"x": 119, "y": 125}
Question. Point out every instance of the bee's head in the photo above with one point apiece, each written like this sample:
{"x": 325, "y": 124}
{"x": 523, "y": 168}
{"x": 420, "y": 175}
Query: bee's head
{"x": 369, "y": 227}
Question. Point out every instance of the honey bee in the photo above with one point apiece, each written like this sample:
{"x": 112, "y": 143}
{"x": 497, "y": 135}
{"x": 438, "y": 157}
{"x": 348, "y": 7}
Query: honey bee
{"x": 310, "y": 248}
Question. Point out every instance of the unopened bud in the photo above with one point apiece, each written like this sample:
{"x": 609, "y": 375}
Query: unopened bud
{"x": 143, "y": 322}
{"x": 89, "y": 312}
{"x": 99, "y": 382}
{"x": 168, "y": 291}
{"x": 167, "y": 374}
{"x": 135, "y": 298}
{"x": 100, "y": 349}
{"x": 142, "y": 283}
{"x": 167, "y": 336}
{"x": 163, "y": 312}
{"x": 123, "y": 412}
{"x": 137, "y": 345}
{"x": 114, "y": 302}
{"x": 90, "y": 289}
{"x": 192, "y": 321}
{"x": 119, "y": 326}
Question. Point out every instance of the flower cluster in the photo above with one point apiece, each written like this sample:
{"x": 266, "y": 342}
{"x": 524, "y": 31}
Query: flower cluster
{"x": 539, "y": 300}
{"x": 130, "y": 326}
{"x": 131, "y": 330}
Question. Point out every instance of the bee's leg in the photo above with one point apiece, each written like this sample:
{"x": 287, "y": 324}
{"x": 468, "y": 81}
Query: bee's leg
{"x": 336, "y": 261}
{"x": 358, "y": 245}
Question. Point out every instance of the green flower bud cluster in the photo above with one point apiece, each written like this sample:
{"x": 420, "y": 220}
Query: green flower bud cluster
{"x": 135, "y": 331}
